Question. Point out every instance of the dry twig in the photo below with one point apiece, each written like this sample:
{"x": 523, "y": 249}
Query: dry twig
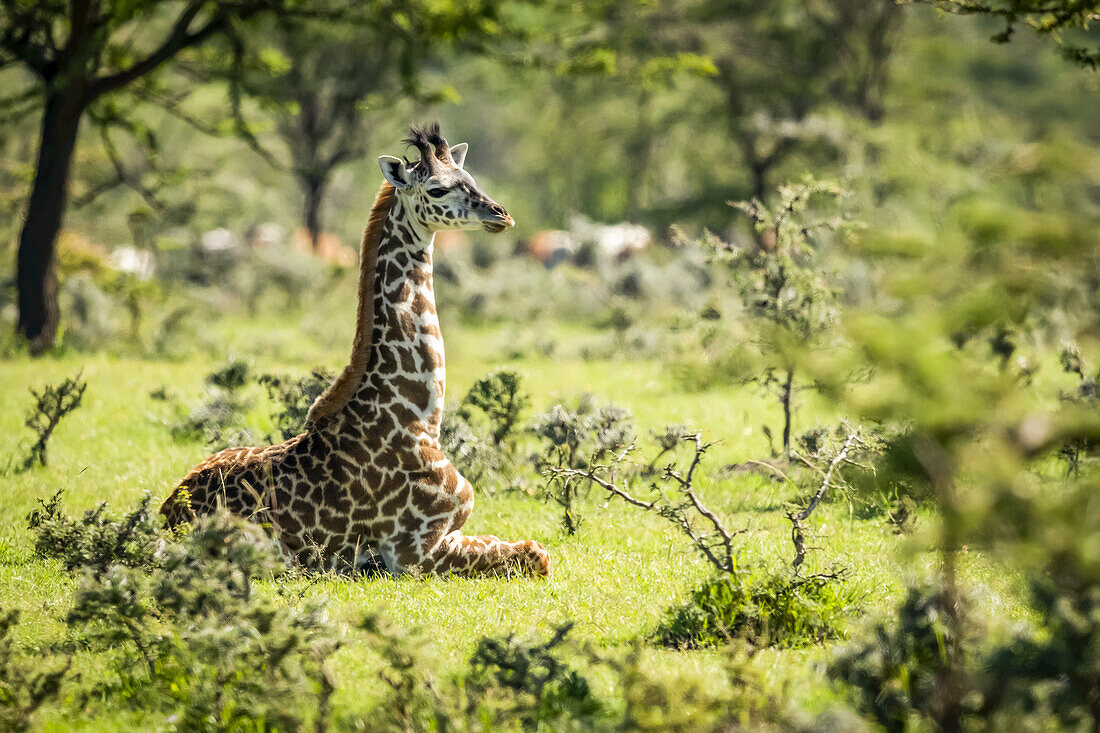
{"x": 798, "y": 528}
{"x": 717, "y": 545}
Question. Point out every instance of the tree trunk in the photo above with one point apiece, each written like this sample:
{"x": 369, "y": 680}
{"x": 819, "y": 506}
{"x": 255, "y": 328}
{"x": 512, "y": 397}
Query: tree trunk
{"x": 314, "y": 189}
{"x": 36, "y": 274}
{"x": 785, "y": 398}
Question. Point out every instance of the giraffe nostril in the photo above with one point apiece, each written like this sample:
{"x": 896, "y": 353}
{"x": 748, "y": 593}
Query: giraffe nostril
{"x": 498, "y": 210}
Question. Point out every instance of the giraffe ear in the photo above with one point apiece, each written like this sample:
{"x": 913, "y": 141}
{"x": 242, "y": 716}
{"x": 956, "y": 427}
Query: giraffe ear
{"x": 393, "y": 170}
{"x": 458, "y": 153}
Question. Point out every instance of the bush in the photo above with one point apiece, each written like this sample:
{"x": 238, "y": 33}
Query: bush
{"x": 499, "y": 396}
{"x": 218, "y": 419}
{"x": 583, "y": 432}
{"x": 766, "y": 609}
{"x": 527, "y": 682}
{"x": 412, "y": 700}
{"x": 97, "y": 540}
{"x": 293, "y": 397}
{"x": 51, "y": 405}
{"x": 24, "y": 688}
{"x": 905, "y": 669}
{"x": 222, "y": 654}
{"x": 576, "y": 438}
{"x": 475, "y": 455}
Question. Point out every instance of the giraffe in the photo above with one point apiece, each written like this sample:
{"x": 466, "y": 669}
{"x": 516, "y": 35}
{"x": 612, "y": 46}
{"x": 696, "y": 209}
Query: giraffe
{"x": 367, "y": 480}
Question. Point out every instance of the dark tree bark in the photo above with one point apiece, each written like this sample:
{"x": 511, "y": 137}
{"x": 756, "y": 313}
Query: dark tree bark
{"x": 785, "y": 398}
{"x": 36, "y": 276}
{"x": 314, "y": 190}
{"x": 71, "y": 74}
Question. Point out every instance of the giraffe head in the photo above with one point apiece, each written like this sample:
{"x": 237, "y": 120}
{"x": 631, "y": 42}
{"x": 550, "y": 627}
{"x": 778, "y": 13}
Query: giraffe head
{"x": 436, "y": 188}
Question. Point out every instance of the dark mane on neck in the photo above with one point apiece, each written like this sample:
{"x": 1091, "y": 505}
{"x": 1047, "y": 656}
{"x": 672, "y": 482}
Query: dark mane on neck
{"x": 341, "y": 390}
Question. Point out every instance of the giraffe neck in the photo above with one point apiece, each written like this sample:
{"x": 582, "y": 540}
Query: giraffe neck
{"x": 406, "y": 372}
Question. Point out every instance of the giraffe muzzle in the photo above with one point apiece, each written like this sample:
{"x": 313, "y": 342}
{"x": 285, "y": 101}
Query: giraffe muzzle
{"x": 496, "y": 219}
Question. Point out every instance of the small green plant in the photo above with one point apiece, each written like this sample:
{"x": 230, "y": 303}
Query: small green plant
{"x": 217, "y": 420}
{"x": 763, "y": 608}
{"x": 293, "y": 397}
{"x": 212, "y": 647}
{"x": 51, "y": 405}
{"x": 528, "y": 682}
{"x": 499, "y": 396}
{"x": 97, "y": 540}
{"x": 24, "y": 686}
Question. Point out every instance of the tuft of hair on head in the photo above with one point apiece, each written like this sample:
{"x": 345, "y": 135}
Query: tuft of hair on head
{"x": 429, "y": 141}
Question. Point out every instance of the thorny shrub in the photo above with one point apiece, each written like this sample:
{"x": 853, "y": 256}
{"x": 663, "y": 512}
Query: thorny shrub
{"x": 528, "y": 682}
{"x": 212, "y": 647}
{"x": 51, "y": 405}
{"x": 221, "y": 418}
{"x": 472, "y": 451}
{"x": 97, "y": 540}
{"x": 480, "y": 433}
{"x": 24, "y": 686}
{"x": 499, "y": 396}
{"x": 574, "y": 438}
{"x": 293, "y": 396}
{"x": 764, "y": 607}
{"x": 901, "y": 671}
{"x": 218, "y": 418}
{"x": 578, "y": 434}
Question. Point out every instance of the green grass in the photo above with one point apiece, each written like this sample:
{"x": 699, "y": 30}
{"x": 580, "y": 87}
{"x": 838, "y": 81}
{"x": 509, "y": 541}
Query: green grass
{"x": 615, "y": 578}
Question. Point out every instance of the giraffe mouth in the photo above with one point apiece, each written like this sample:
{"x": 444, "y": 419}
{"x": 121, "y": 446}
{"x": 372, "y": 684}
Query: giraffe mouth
{"x": 496, "y": 219}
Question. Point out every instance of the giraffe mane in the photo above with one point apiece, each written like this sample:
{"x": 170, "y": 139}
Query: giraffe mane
{"x": 341, "y": 390}
{"x": 431, "y": 144}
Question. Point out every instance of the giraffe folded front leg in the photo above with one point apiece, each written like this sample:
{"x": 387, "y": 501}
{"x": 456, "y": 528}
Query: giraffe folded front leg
{"x": 459, "y": 554}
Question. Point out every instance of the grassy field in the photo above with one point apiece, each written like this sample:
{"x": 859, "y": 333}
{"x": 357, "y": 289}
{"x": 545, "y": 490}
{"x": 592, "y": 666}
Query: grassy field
{"x": 614, "y": 578}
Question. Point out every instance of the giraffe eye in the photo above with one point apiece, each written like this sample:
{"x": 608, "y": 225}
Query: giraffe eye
{"x": 436, "y": 193}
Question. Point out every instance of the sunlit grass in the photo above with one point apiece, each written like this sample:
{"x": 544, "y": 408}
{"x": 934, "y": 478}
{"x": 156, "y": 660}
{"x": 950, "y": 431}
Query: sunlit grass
{"x": 614, "y": 579}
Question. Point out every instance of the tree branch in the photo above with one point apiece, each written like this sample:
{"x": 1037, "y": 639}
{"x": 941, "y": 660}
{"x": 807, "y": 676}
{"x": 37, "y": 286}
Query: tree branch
{"x": 563, "y": 472}
{"x": 16, "y": 39}
{"x": 179, "y": 39}
{"x": 798, "y": 529}
{"x": 679, "y": 514}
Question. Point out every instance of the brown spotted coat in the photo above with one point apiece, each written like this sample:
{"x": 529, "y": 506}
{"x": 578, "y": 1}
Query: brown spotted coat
{"x": 368, "y": 481}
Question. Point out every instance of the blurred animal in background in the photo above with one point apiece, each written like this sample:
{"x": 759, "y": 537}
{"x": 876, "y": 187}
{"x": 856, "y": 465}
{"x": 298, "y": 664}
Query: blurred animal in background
{"x": 133, "y": 261}
{"x": 220, "y": 240}
{"x": 77, "y": 253}
{"x": 586, "y": 242}
{"x": 266, "y": 235}
{"x": 612, "y": 241}
{"x": 551, "y": 248}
